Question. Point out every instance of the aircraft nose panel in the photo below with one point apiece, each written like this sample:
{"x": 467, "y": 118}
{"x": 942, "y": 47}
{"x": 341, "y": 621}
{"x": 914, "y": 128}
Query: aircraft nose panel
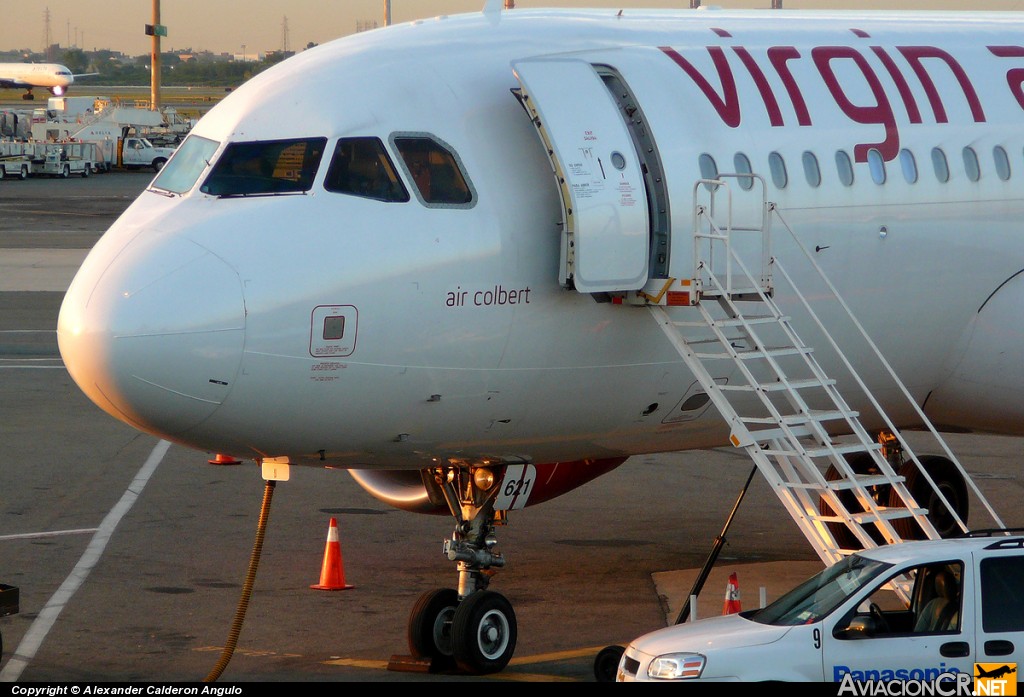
{"x": 155, "y": 337}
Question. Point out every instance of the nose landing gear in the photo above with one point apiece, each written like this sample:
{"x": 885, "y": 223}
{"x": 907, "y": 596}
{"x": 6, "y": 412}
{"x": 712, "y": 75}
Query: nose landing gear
{"x": 471, "y": 629}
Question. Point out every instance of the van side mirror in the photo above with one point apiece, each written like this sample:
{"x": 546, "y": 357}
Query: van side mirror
{"x": 860, "y": 627}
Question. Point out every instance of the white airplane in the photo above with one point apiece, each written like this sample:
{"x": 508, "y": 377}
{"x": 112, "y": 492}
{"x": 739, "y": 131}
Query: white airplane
{"x": 386, "y": 277}
{"x": 53, "y": 76}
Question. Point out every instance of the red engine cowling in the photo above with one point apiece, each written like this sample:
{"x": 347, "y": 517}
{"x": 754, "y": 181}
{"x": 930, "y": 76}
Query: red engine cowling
{"x": 405, "y": 489}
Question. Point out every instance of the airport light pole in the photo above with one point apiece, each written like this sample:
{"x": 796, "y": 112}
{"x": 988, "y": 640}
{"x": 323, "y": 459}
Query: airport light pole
{"x": 156, "y": 30}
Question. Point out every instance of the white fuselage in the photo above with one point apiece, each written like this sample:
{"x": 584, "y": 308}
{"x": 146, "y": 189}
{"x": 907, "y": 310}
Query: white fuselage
{"x": 196, "y": 316}
{"x": 53, "y": 76}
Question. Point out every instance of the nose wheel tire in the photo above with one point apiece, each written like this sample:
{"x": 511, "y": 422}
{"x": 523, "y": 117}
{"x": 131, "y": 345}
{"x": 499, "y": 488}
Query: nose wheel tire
{"x": 484, "y": 633}
{"x": 430, "y": 625}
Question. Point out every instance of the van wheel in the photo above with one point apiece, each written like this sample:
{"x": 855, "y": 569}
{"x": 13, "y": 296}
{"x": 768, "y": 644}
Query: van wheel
{"x": 87, "y": 170}
{"x": 23, "y": 174}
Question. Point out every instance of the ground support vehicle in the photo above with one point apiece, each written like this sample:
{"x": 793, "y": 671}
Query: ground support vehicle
{"x": 904, "y": 612}
{"x": 8, "y": 605}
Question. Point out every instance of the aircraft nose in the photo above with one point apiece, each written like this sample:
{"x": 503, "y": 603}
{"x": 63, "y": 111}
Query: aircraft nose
{"x": 154, "y": 333}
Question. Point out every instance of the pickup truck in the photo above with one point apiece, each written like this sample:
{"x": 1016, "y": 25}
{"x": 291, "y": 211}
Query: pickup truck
{"x": 909, "y": 611}
{"x": 140, "y": 153}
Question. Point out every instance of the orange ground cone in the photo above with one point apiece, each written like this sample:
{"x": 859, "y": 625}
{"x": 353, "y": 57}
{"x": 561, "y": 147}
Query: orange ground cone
{"x": 332, "y": 574}
{"x": 732, "y": 596}
{"x": 224, "y": 460}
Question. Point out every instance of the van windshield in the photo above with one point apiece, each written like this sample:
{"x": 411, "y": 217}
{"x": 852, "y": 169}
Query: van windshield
{"x": 822, "y": 593}
{"x": 188, "y": 163}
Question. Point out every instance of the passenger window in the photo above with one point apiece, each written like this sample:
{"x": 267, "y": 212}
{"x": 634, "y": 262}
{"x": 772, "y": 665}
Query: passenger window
{"x": 434, "y": 170}
{"x": 876, "y": 165}
{"x": 811, "y": 169}
{"x": 708, "y": 167}
{"x": 265, "y": 167}
{"x": 909, "y": 166}
{"x": 361, "y": 167}
{"x": 940, "y": 165}
{"x": 971, "y": 165}
{"x": 1002, "y": 596}
{"x": 1002, "y": 161}
{"x": 742, "y": 164}
{"x": 844, "y": 167}
{"x": 777, "y": 165}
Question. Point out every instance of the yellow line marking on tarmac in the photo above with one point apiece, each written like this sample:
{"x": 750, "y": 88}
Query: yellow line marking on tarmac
{"x": 510, "y": 676}
{"x": 250, "y": 653}
{"x": 358, "y": 663}
{"x": 555, "y": 656}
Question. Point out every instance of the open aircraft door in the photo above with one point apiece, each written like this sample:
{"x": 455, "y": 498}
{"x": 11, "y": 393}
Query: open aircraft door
{"x": 606, "y": 233}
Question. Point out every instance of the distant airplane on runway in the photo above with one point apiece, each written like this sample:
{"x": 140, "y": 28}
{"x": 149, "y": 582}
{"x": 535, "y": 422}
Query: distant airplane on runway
{"x": 386, "y": 277}
{"x": 52, "y": 76}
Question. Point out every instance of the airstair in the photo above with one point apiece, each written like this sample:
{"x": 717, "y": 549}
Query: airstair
{"x": 845, "y": 492}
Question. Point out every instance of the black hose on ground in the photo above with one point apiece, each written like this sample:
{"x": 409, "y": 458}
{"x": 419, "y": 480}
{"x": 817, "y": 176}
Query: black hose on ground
{"x": 250, "y": 579}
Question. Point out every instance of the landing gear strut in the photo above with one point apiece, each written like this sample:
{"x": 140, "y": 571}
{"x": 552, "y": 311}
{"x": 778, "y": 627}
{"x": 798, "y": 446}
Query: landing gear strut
{"x": 471, "y": 628}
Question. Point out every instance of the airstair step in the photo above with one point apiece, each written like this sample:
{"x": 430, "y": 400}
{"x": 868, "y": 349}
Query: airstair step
{"x": 742, "y": 321}
{"x": 767, "y": 434}
{"x": 864, "y": 481}
{"x": 754, "y": 354}
{"x": 814, "y": 415}
{"x": 780, "y": 386}
{"x": 887, "y": 513}
{"x": 867, "y": 517}
{"x": 741, "y": 294}
{"x": 824, "y": 450}
{"x": 774, "y": 351}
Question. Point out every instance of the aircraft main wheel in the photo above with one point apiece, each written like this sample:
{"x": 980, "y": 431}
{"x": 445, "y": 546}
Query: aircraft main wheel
{"x": 484, "y": 633}
{"x": 430, "y": 624}
{"x": 860, "y": 463}
{"x": 952, "y": 485}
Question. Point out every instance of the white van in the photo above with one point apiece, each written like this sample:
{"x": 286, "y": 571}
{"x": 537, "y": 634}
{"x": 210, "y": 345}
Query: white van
{"x": 911, "y": 611}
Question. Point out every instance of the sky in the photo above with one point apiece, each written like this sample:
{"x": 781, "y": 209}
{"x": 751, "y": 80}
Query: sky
{"x": 226, "y": 26}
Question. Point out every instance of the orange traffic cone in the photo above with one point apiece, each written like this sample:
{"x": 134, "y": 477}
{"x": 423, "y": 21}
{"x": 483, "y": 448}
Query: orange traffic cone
{"x": 224, "y": 460}
{"x": 332, "y": 575}
{"x": 732, "y": 596}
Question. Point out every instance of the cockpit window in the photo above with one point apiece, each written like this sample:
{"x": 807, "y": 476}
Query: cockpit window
{"x": 361, "y": 167}
{"x": 189, "y": 162}
{"x": 435, "y": 171}
{"x": 265, "y": 167}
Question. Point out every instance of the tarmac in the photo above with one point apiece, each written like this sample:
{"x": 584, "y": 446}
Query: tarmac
{"x": 130, "y": 554}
